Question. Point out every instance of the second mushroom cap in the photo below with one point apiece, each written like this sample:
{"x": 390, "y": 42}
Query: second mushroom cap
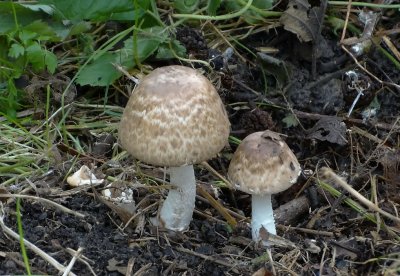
{"x": 263, "y": 164}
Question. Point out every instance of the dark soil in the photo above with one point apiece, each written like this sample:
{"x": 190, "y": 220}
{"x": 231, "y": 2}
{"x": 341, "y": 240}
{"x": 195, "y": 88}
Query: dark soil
{"x": 330, "y": 238}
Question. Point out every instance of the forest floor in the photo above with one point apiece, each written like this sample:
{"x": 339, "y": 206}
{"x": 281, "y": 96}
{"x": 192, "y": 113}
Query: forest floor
{"x": 337, "y": 109}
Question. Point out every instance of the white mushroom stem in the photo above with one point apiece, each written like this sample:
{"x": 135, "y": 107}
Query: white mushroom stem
{"x": 262, "y": 215}
{"x": 177, "y": 210}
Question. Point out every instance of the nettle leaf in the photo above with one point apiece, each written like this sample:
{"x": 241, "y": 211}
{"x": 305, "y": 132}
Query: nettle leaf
{"x": 16, "y": 50}
{"x": 97, "y": 10}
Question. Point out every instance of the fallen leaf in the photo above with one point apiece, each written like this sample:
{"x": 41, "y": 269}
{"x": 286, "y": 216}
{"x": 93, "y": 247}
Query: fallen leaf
{"x": 330, "y": 129}
{"x": 302, "y": 20}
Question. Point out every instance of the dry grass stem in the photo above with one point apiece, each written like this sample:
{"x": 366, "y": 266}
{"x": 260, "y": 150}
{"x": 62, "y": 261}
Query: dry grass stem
{"x": 221, "y": 209}
{"x": 44, "y": 200}
{"x": 72, "y": 262}
{"x": 328, "y": 173}
{"x": 33, "y": 247}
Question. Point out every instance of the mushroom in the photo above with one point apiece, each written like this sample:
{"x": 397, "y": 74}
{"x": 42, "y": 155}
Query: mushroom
{"x": 263, "y": 165}
{"x": 175, "y": 118}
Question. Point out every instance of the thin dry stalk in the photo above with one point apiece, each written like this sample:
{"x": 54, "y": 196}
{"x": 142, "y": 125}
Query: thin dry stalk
{"x": 328, "y": 173}
{"x": 82, "y": 258}
{"x": 52, "y": 203}
{"x": 72, "y": 262}
{"x": 221, "y": 209}
{"x": 33, "y": 247}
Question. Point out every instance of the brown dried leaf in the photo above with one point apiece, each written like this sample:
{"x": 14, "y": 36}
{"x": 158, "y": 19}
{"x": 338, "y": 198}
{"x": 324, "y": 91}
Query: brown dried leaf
{"x": 330, "y": 129}
{"x": 301, "y": 20}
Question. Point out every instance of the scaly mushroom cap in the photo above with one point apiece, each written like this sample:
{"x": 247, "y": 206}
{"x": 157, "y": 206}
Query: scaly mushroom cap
{"x": 174, "y": 117}
{"x": 263, "y": 164}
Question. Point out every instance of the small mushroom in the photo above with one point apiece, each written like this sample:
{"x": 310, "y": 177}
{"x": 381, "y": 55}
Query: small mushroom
{"x": 175, "y": 118}
{"x": 263, "y": 165}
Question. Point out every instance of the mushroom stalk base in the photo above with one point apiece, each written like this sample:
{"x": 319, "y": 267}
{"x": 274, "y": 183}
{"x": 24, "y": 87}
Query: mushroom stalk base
{"x": 262, "y": 215}
{"x": 177, "y": 210}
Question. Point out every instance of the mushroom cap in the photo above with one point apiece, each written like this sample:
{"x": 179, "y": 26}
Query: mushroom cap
{"x": 174, "y": 117}
{"x": 263, "y": 164}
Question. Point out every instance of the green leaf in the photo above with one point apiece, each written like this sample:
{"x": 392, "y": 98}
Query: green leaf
{"x": 97, "y": 10}
{"x": 35, "y": 7}
{"x": 101, "y": 72}
{"x": 275, "y": 67}
{"x": 26, "y": 36}
{"x": 165, "y": 52}
{"x": 16, "y": 50}
{"x": 250, "y": 16}
{"x": 50, "y": 61}
{"x": 24, "y": 16}
{"x": 79, "y": 28}
{"x": 42, "y": 31}
{"x": 213, "y": 6}
{"x": 35, "y": 56}
{"x": 186, "y": 6}
{"x": 290, "y": 120}
{"x": 40, "y": 58}
{"x": 146, "y": 46}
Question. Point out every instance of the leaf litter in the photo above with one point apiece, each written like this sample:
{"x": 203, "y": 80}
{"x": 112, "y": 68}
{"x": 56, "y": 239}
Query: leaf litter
{"x": 322, "y": 227}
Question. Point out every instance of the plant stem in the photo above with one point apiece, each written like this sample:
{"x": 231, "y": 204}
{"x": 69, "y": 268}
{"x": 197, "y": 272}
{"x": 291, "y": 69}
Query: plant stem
{"x": 262, "y": 215}
{"x": 217, "y": 17}
{"x": 364, "y": 4}
{"x": 177, "y": 210}
{"x": 21, "y": 238}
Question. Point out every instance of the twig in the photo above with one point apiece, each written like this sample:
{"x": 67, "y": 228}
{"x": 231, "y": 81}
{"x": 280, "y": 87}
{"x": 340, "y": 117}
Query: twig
{"x": 123, "y": 71}
{"x": 52, "y": 203}
{"x": 33, "y": 247}
{"x": 328, "y": 173}
{"x": 221, "y": 209}
{"x": 205, "y": 257}
{"x": 142, "y": 270}
{"x": 366, "y": 70}
{"x": 82, "y": 258}
{"x": 308, "y": 231}
{"x": 217, "y": 174}
{"x": 129, "y": 267}
{"x": 72, "y": 262}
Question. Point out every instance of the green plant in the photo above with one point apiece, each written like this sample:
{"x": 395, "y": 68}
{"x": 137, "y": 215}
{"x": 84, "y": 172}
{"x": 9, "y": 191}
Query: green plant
{"x": 21, "y": 238}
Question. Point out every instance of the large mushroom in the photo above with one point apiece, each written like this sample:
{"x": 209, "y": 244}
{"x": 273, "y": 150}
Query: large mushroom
{"x": 175, "y": 118}
{"x": 263, "y": 165}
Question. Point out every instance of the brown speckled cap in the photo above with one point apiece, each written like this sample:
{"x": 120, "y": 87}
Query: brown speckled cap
{"x": 263, "y": 164}
{"x": 174, "y": 117}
